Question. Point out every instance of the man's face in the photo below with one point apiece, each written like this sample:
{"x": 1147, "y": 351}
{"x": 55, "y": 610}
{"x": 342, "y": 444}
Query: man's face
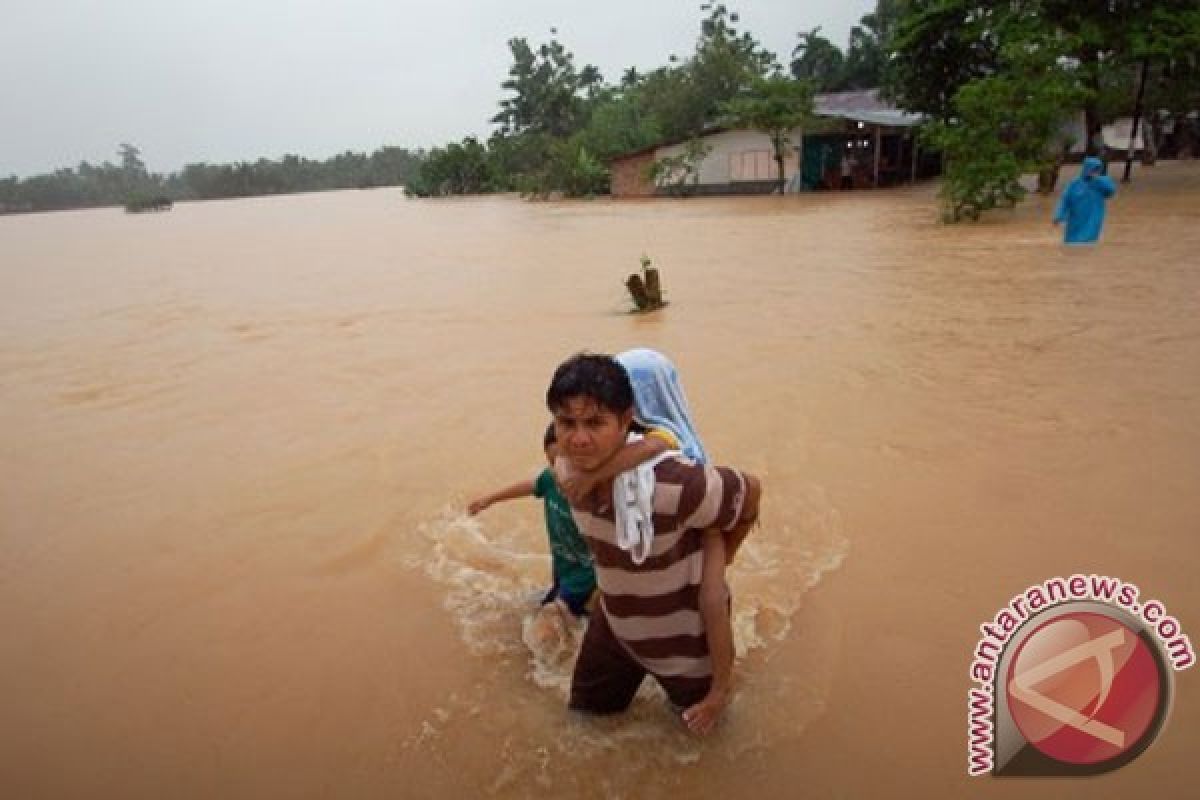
{"x": 589, "y": 435}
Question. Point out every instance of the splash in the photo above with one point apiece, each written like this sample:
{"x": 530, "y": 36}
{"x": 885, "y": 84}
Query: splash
{"x": 493, "y": 584}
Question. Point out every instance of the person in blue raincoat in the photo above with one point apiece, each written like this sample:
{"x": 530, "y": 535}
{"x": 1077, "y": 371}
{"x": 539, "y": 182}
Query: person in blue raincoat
{"x": 1082, "y": 203}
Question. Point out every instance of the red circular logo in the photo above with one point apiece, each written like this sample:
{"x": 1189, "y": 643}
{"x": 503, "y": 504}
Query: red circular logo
{"x": 1083, "y": 688}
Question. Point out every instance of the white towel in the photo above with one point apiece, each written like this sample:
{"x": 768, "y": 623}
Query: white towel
{"x": 633, "y": 505}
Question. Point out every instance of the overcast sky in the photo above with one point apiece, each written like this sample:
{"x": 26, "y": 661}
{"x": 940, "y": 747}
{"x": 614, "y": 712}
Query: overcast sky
{"x": 229, "y": 80}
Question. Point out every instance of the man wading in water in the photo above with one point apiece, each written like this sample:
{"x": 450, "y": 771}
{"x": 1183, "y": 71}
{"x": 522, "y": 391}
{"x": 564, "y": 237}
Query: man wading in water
{"x": 647, "y": 619}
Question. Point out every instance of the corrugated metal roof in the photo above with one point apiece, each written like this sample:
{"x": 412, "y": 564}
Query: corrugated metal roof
{"x": 864, "y": 105}
{"x": 858, "y": 100}
{"x": 892, "y": 119}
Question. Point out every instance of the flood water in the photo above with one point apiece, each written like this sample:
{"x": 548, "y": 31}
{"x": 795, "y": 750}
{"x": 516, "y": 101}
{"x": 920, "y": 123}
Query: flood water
{"x": 238, "y": 438}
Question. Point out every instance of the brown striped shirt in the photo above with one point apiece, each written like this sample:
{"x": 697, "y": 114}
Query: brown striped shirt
{"x": 653, "y": 607}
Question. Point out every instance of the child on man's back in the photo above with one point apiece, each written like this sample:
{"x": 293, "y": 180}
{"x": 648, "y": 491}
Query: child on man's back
{"x": 574, "y": 576}
{"x": 661, "y": 410}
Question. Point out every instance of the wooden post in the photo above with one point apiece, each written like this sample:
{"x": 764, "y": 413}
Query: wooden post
{"x": 653, "y": 289}
{"x": 878, "y": 148}
{"x": 913, "y": 134}
{"x": 797, "y": 179}
{"x": 638, "y": 290}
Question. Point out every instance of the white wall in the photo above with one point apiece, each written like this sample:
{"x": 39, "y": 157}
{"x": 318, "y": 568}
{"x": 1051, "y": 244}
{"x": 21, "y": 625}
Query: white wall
{"x": 715, "y": 168}
{"x": 1116, "y": 134}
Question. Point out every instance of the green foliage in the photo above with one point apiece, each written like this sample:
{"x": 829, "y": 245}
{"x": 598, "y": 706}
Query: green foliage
{"x": 546, "y": 140}
{"x": 387, "y": 166}
{"x": 1006, "y": 124}
{"x": 559, "y": 126}
{"x": 670, "y": 97}
{"x": 539, "y": 164}
{"x": 1000, "y": 78}
{"x": 938, "y": 47}
{"x": 866, "y": 56}
{"x": 941, "y": 45}
{"x": 865, "y": 62}
{"x": 549, "y": 95}
{"x": 570, "y": 168}
{"x": 726, "y": 61}
{"x": 818, "y": 61}
{"x": 775, "y": 106}
{"x": 131, "y": 161}
{"x": 1170, "y": 41}
{"x": 577, "y": 166}
{"x": 89, "y": 185}
{"x": 619, "y": 124}
{"x": 682, "y": 98}
{"x": 457, "y": 168}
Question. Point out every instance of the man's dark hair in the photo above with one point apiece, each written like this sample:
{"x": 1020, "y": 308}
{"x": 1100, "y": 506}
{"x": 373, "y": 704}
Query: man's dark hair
{"x": 550, "y": 437}
{"x": 598, "y": 377}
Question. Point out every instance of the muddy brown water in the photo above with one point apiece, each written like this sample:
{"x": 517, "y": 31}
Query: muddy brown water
{"x": 237, "y": 440}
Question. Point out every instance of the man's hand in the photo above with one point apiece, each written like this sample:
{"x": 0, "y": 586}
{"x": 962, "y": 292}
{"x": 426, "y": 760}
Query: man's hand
{"x": 702, "y": 717}
{"x": 479, "y": 504}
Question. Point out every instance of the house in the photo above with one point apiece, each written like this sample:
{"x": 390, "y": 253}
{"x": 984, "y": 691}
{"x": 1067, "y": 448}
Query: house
{"x": 856, "y": 140}
{"x": 1115, "y": 135}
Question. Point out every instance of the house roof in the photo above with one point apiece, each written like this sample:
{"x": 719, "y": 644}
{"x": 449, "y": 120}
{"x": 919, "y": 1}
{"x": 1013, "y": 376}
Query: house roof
{"x": 863, "y": 105}
{"x": 708, "y": 131}
{"x": 857, "y": 100}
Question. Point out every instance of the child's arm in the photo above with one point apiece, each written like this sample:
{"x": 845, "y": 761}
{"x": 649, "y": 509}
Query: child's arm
{"x": 578, "y": 485}
{"x": 522, "y": 489}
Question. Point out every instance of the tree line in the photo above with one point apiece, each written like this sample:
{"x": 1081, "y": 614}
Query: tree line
{"x": 556, "y": 130}
{"x": 129, "y": 183}
{"x": 560, "y": 123}
{"x": 996, "y": 79}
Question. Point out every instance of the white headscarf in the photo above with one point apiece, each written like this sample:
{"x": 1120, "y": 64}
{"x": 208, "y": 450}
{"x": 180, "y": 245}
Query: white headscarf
{"x": 658, "y": 399}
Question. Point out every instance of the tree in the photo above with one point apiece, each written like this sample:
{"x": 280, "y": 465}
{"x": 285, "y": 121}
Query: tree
{"x": 938, "y": 47}
{"x": 571, "y": 169}
{"x": 1005, "y": 124}
{"x": 865, "y": 57}
{"x": 135, "y": 179}
{"x": 867, "y": 53}
{"x": 618, "y": 125}
{"x": 546, "y": 90}
{"x": 726, "y": 61}
{"x": 131, "y": 161}
{"x": 670, "y": 97}
{"x": 686, "y": 96}
{"x": 817, "y": 60}
{"x": 775, "y": 106}
{"x": 458, "y": 168}
{"x": 550, "y": 100}
{"x": 1168, "y": 45}
{"x": 89, "y": 185}
{"x": 865, "y": 61}
{"x": 941, "y": 45}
